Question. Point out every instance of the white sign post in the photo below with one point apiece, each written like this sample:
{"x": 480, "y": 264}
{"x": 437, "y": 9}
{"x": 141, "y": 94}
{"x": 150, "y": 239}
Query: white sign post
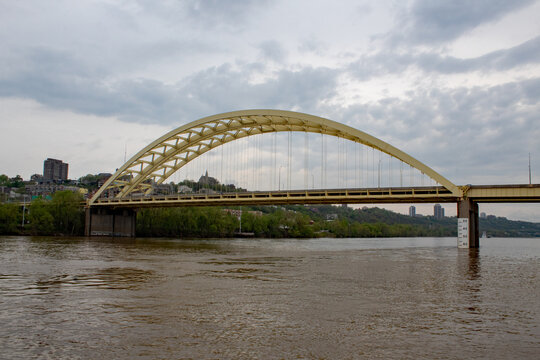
{"x": 463, "y": 233}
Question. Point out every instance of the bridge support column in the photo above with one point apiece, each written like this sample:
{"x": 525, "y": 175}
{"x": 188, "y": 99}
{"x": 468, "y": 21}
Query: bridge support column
{"x": 468, "y": 234}
{"x": 110, "y": 222}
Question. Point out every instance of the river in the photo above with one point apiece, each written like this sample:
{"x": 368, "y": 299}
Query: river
{"x": 406, "y": 298}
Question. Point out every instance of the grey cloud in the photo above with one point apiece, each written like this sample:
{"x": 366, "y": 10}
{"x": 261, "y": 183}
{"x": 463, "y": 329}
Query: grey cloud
{"x": 388, "y": 62}
{"x": 234, "y": 10}
{"x": 312, "y": 45}
{"x": 221, "y": 89}
{"x": 466, "y": 134}
{"x": 230, "y": 15}
{"x": 433, "y": 22}
{"x": 61, "y": 81}
{"x": 272, "y": 50}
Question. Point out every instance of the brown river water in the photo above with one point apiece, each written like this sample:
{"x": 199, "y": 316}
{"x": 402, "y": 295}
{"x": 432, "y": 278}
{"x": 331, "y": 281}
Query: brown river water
{"x": 410, "y": 298}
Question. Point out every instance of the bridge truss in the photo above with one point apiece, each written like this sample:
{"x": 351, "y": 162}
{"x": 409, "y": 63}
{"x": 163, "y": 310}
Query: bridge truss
{"x": 165, "y": 156}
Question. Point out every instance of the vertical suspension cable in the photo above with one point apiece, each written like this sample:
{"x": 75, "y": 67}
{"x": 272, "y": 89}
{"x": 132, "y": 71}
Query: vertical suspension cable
{"x": 306, "y": 141}
{"x": 261, "y": 170}
{"x": 322, "y": 164}
{"x": 207, "y": 160}
{"x": 339, "y": 162}
{"x": 355, "y": 146}
{"x": 379, "y": 170}
{"x": 246, "y": 163}
{"x": 260, "y": 167}
{"x": 368, "y": 168}
{"x": 249, "y": 185}
{"x": 237, "y": 156}
{"x": 274, "y": 154}
{"x": 373, "y": 167}
{"x": 346, "y": 167}
{"x": 254, "y": 162}
{"x": 289, "y": 149}
{"x": 221, "y": 167}
{"x": 242, "y": 173}
{"x": 389, "y": 170}
{"x": 324, "y": 180}
{"x": 361, "y": 165}
{"x": 401, "y": 173}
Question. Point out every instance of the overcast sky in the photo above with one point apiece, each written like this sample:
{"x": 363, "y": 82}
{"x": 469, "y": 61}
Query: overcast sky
{"x": 456, "y": 84}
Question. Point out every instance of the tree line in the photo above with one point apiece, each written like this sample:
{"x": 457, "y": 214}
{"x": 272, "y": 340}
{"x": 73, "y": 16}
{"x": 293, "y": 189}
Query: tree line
{"x": 64, "y": 215}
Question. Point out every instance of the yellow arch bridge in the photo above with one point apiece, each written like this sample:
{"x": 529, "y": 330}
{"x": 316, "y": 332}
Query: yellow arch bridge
{"x": 111, "y": 210}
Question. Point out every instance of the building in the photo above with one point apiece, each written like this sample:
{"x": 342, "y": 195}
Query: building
{"x": 438, "y": 211}
{"x": 184, "y": 189}
{"x": 50, "y": 188}
{"x": 162, "y": 189}
{"x": 331, "y": 217}
{"x": 208, "y": 180}
{"x": 233, "y": 212}
{"x": 37, "y": 178}
{"x": 54, "y": 170}
{"x": 412, "y": 211}
{"x": 102, "y": 178}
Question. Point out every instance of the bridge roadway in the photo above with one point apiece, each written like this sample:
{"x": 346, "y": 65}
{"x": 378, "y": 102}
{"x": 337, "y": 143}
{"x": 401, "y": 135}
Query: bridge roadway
{"x": 117, "y": 216}
{"x": 436, "y": 194}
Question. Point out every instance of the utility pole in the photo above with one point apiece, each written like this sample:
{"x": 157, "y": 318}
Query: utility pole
{"x": 23, "y": 209}
{"x": 240, "y": 220}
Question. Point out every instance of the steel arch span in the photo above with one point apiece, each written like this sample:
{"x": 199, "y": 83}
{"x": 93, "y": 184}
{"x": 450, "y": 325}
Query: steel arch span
{"x": 163, "y": 157}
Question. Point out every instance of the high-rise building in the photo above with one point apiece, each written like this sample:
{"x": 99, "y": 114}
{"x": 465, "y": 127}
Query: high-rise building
{"x": 438, "y": 211}
{"x": 54, "y": 169}
{"x": 412, "y": 211}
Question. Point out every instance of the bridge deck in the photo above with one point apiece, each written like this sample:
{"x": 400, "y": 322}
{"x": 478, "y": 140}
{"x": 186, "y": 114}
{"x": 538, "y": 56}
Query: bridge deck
{"x": 436, "y": 194}
{"x": 503, "y": 193}
{"x": 332, "y": 196}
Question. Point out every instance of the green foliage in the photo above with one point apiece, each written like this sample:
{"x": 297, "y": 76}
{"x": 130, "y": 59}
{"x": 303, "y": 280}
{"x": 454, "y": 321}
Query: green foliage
{"x": 63, "y": 214}
{"x": 289, "y": 221}
{"x": 89, "y": 181}
{"x": 67, "y": 212}
{"x": 15, "y": 182}
{"x": 196, "y": 186}
{"x": 214, "y": 222}
{"x": 10, "y": 218}
{"x": 40, "y": 220}
{"x": 4, "y": 180}
{"x": 185, "y": 222}
{"x": 502, "y": 227}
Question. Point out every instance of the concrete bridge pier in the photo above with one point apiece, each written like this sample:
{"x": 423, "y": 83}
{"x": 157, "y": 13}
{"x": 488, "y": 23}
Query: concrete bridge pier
{"x": 468, "y": 232}
{"x": 110, "y": 222}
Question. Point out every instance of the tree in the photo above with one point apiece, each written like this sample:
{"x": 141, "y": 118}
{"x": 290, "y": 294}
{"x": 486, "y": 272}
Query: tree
{"x": 41, "y": 222}
{"x": 4, "y": 180}
{"x": 16, "y": 181}
{"x": 68, "y": 214}
{"x": 9, "y": 219}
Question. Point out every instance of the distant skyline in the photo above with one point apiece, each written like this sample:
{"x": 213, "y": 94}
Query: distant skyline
{"x": 456, "y": 84}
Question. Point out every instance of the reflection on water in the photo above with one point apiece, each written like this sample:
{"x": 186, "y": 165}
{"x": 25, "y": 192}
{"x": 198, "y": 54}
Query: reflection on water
{"x": 111, "y": 278}
{"x": 250, "y": 298}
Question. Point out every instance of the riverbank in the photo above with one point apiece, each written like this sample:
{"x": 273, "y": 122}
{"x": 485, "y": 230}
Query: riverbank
{"x": 63, "y": 215}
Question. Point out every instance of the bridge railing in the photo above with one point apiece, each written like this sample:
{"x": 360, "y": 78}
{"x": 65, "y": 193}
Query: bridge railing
{"x": 313, "y": 196}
